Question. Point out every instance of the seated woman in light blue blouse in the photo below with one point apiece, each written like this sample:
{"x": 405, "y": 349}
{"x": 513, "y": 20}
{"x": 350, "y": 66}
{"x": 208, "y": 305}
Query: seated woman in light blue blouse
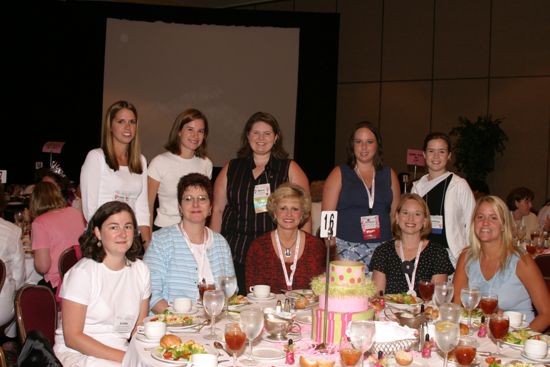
{"x": 492, "y": 263}
{"x": 184, "y": 254}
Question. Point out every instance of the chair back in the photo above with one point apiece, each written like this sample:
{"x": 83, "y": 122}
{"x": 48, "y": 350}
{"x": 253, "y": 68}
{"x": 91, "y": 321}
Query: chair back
{"x": 36, "y": 309}
{"x": 3, "y": 362}
{"x": 2, "y": 274}
{"x": 66, "y": 260}
{"x": 543, "y": 262}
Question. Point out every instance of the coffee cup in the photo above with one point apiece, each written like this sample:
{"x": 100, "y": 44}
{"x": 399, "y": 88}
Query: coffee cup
{"x": 204, "y": 360}
{"x": 516, "y": 318}
{"x": 537, "y": 349}
{"x": 260, "y": 290}
{"x": 182, "y": 304}
{"x": 153, "y": 330}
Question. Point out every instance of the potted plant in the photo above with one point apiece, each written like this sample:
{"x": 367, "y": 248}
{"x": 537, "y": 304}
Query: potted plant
{"x": 476, "y": 146}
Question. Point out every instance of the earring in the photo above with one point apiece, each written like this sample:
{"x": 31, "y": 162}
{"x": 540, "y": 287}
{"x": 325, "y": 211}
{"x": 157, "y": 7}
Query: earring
{"x": 99, "y": 243}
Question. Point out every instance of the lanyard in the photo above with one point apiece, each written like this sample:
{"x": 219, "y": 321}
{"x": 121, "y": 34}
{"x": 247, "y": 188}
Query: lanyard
{"x": 370, "y": 193}
{"x": 288, "y": 280}
{"x": 201, "y": 252}
{"x": 410, "y": 282}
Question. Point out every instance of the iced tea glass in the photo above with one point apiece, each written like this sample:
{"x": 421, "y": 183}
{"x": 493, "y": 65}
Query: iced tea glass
{"x": 465, "y": 351}
{"x": 234, "y": 339}
{"x": 499, "y": 325}
{"x": 488, "y": 303}
{"x": 349, "y": 355}
{"x": 426, "y": 288}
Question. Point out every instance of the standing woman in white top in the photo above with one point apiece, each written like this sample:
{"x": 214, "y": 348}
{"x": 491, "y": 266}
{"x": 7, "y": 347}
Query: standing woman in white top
{"x": 186, "y": 153}
{"x": 449, "y": 197}
{"x": 117, "y": 170}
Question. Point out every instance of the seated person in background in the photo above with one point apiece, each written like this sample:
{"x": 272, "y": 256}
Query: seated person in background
{"x": 399, "y": 265}
{"x": 519, "y": 202}
{"x": 544, "y": 216}
{"x": 184, "y": 254}
{"x": 106, "y": 293}
{"x": 287, "y": 257}
{"x": 55, "y": 227}
{"x": 11, "y": 253}
{"x": 493, "y": 263}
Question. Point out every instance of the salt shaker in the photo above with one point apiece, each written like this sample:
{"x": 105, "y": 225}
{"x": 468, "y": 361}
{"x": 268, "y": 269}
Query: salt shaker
{"x": 278, "y": 307}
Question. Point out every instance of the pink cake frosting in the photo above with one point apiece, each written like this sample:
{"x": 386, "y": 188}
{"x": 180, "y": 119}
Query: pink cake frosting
{"x": 347, "y": 304}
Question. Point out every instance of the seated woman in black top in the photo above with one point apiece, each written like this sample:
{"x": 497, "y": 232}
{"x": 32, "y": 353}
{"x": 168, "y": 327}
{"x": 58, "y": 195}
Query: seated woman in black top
{"x": 400, "y": 264}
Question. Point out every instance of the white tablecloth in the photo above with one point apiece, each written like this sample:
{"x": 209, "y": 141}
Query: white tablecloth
{"x": 139, "y": 353}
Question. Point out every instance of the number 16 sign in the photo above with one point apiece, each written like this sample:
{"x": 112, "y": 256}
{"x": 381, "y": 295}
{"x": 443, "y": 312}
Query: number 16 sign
{"x": 328, "y": 223}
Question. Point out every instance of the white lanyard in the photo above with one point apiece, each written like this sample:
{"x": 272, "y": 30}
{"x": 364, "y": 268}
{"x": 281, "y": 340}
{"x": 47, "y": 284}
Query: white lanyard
{"x": 370, "y": 193}
{"x": 410, "y": 282}
{"x": 288, "y": 280}
{"x": 202, "y": 249}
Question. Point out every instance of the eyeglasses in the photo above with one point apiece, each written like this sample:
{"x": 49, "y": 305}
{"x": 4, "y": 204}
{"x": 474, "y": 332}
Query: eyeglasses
{"x": 191, "y": 199}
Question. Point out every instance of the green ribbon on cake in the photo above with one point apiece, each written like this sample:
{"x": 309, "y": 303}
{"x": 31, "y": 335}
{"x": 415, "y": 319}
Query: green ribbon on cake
{"x": 367, "y": 288}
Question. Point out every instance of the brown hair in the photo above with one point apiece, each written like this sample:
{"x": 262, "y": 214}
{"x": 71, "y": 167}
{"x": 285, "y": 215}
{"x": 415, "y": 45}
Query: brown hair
{"x": 351, "y": 160}
{"x": 277, "y": 150}
{"x": 134, "y": 150}
{"x": 173, "y": 144}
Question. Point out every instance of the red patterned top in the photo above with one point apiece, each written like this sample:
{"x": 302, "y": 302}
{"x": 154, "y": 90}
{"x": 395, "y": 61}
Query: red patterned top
{"x": 263, "y": 265}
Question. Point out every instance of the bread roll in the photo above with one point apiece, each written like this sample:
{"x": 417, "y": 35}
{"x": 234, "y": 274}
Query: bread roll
{"x": 403, "y": 357}
{"x": 464, "y": 329}
{"x": 169, "y": 340}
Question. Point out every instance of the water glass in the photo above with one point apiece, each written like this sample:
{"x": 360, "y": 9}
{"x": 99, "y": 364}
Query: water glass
{"x": 449, "y": 312}
{"x": 447, "y": 335}
{"x": 443, "y": 293}
{"x": 470, "y": 298}
{"x": 252, "y": 323}
{"x": 227, "y": 284}
{"x": 213, "y": 302}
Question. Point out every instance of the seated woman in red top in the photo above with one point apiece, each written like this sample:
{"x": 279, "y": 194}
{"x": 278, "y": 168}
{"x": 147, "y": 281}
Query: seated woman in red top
{"x": 287, "y": 257}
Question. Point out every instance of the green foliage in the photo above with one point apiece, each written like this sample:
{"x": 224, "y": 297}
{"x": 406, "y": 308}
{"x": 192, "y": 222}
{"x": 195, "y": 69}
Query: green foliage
{"x": 477, "y": 144}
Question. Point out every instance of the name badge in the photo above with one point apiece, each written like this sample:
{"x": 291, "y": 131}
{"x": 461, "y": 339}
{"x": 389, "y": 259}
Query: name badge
{"x": 123, "y": 324}
{"x": 370, "y": 225}
{"x": 261, "y": 193}
{"x": 437, "y": 224}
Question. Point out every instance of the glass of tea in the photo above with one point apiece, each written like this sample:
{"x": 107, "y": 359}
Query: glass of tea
{"x": 531, "y": 247}
{"x": 465, "y": 351}
{"x": 234, "y": 339}
{"x": 499, "y": 325}
{"x": 488, "y": 303}
{"x": 426, "y": 288}
{"x": 349, "y": 355}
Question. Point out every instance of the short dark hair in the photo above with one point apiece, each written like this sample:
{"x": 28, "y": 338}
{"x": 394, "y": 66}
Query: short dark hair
{"x": 194, "y": 180}
{"x": 437, "y": 135}
{"x": 517, "y": 194}
{"x": 351, "y": 160}
{"x": 89, "y": 242}
{"x": 277, "y": 151}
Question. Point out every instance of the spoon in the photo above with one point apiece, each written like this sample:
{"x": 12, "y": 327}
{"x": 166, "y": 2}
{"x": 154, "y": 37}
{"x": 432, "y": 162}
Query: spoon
{"x": 219, "y": 345}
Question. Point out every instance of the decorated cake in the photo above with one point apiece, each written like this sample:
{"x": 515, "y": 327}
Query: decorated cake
{"x": 348, "y": 299}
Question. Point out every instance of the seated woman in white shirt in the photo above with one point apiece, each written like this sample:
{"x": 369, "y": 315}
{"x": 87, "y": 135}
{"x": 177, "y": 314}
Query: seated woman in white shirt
{"x": 106, "y": 294}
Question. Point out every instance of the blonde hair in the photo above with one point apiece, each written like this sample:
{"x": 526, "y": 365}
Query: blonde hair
{"x": 426, "y": 228}
{"x": 290, "y": 190}
{"x": 474, "y": 250}
{"x": 45, "y": 196}
{"x": 134, "y": 149}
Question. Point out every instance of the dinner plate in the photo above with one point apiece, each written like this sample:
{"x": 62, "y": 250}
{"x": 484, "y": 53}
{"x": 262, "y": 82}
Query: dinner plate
{"x": 143, "y": 338}
{"x": 251, "y": 297}
{"x": 304, "y": 318}
{"x": 267, "y": 353}
{"x": 194, "y": 322}
{"x": 540, "y": 360}
{"x": 193, "y": 311}
{"x": 521, "y": 334}
{"x": 185, "y": 327}
{"x": 237, "y": 307}
{"x": 158, "y": 356}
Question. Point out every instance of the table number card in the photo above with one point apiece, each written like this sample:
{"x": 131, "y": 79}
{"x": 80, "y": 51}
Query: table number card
{"x": 329, "y": 219}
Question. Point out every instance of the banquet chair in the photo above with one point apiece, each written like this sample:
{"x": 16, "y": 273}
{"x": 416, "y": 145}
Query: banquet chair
{"x": 543, "y": 262}
{"x": 66, "y": 260}
{"x": 2, "y": 281}
{"x": 36, "y": 309}
{"x": 3, "y": 362}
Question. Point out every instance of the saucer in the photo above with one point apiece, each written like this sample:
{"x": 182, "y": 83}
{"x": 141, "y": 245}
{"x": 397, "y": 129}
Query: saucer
{"x": 268, "y": 353}
{"x": 539, "y": 360}
{"x": 251, "y": 297}
{"x": 193, "y": 310}
{"x": 143, "y": 338}
{"x": 295, "y": 337}
{"x": 524, "y": 325}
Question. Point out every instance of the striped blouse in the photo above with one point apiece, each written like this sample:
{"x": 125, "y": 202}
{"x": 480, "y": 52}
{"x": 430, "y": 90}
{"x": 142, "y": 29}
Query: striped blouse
{"x": 240, "y": 224}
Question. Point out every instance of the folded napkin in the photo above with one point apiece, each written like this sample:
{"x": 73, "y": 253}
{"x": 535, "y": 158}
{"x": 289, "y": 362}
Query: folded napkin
{"x": 389, "y": 331}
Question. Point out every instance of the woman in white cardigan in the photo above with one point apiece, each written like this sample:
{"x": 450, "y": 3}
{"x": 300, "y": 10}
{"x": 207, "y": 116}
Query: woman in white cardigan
{"x": 449, "y": 196}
